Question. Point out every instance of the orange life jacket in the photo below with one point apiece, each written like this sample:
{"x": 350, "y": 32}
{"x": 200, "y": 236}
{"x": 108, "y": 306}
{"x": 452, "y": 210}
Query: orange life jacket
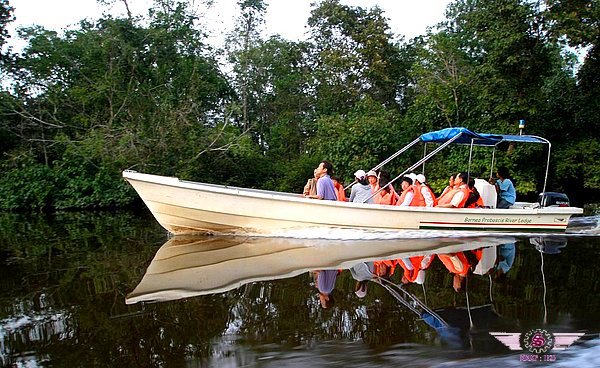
{"x": 449, "y": 260}
{"x": 339, "y": 192}
{"x": 389, "y": 198}
{"x": 478, "y": 203}
{"x": 447, "y": 198}
{"x": 418, "y": 199}
{"x": 379, "y": 266}
{"x": 411, "y": 275}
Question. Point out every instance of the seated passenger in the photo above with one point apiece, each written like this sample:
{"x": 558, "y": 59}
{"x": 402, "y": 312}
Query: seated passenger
{"x": 408, "y": 192}
{"x": 339, "y": 189}
{"x": 310, "y": 188}
{"x": 361, "y": 190}
{"x": 373, "y": 179}
{"x": 457, "y": 197}
{"x": 474, "y": 200}
{"x": 505, "y": 188}
{"x": 387, "y": 195}
{"x": 449, "y": 187}
{"x": 424, "y": 196}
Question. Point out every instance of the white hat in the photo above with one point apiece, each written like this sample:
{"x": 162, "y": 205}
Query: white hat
{"x": 361, "y": 289}
{"x": 360, "y": 174}
{"x": 371, "y": 173}
{"x": 420, "y": 277}
{"x": 413, "y": 176}
{"x": 421, "y": 178}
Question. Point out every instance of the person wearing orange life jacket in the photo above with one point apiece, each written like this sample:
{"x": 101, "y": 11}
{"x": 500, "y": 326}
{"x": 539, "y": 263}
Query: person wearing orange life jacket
{"x": 339, "y": 189}
{"x": 474, "y": 200}
{"x": 373, "y": 180}
{"x": 424, "y": 196}
{"x": 408, "y": 192}
{"x": 387, "y": 195}
{"x": 414, "y": 268}
{"x": 447, "y": 189}
{"x": 458, "y": 265}
{"x": 457, "y": 197}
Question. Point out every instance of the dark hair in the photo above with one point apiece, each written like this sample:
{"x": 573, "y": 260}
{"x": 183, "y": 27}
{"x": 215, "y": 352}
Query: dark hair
{"x": 503, "y": 172}
{"x": 473, "y": 195}
{"x": 337, "y": 178}
{"x": 327, "y": 165}
{"x": 383, "y": 181}
{"x": 363, "y": 181}
{"x": 407, "y": 179}
{"x": 329, "y": 302}
{"x": 463, "y": 176}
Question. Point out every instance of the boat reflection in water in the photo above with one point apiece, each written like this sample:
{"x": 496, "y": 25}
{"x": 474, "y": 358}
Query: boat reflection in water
{"x": 409, "y": 270}
{"x": 189, "y": 266}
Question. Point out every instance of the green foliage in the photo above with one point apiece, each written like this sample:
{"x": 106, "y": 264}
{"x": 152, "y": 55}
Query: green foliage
{"x": 149, "y": 94}
{"x": 26, "y": 184}
{"x": 361, "y": 139}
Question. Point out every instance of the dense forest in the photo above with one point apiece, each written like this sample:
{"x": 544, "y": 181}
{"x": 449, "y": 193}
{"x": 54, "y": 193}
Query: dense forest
{"x": 150, "y": 94}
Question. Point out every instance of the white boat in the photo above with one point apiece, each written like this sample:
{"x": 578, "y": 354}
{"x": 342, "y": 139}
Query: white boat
{"x": 189, "y": 266}
{"x": 184, "y": 207}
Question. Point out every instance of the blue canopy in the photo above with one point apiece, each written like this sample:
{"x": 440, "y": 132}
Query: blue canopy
{"x": 479, "y": 139}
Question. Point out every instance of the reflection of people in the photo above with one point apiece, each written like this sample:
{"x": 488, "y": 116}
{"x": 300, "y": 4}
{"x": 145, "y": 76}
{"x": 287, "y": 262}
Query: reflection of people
{"x": 505, "y": 188}
{"x": 506, "y": 257}
{"x": 362, "y": 273}
{"x": 325, "y": 283}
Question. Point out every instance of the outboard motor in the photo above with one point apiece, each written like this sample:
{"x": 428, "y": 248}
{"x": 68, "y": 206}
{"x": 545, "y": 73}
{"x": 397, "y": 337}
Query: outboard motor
{"x": 554, "y": 199}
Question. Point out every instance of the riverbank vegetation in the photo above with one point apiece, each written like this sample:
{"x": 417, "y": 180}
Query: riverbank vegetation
{"x": 150, "y": 94}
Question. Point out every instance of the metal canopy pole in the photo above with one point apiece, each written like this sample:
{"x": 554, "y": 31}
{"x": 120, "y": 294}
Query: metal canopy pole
{"x": 547, "y": 167}
{"x": 381, "y": 164}
{"x": 470, "y": 158}
{"x": 424, "y": 154}
{"x": 492, "y": 165}
{"x": 424, "y": 159}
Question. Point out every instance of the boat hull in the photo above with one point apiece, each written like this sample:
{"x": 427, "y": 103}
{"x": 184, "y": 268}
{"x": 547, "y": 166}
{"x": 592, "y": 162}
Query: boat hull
{"x": 184, "y": 207}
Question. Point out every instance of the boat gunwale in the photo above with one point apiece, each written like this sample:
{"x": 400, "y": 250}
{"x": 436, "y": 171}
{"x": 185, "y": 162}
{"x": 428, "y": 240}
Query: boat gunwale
{"x": 297, "y": 198}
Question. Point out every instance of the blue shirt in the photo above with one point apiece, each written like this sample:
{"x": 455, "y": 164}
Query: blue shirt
{"x": 507, "y": 190}
{"x": 325, "y": 188}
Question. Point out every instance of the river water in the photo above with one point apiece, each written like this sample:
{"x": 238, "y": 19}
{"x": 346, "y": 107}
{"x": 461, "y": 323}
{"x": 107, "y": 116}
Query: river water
{"x": 112, "y": 289}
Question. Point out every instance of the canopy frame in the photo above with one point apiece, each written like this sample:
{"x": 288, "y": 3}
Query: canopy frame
{"x": 462, "y": 136}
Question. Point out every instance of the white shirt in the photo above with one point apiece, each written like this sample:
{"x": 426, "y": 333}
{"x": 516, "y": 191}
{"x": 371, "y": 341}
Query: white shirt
{"x": 458, "y": 197}
{"x": 427, "y": 196}
{"x": 407, "y": 199}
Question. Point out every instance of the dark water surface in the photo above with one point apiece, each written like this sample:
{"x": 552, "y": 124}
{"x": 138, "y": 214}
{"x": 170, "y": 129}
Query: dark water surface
{"x": 112, "y": 290}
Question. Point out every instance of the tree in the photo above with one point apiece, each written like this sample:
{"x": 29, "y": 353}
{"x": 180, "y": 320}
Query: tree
{"x": 241, "y": 44}
{"x": 353, "y": 57}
